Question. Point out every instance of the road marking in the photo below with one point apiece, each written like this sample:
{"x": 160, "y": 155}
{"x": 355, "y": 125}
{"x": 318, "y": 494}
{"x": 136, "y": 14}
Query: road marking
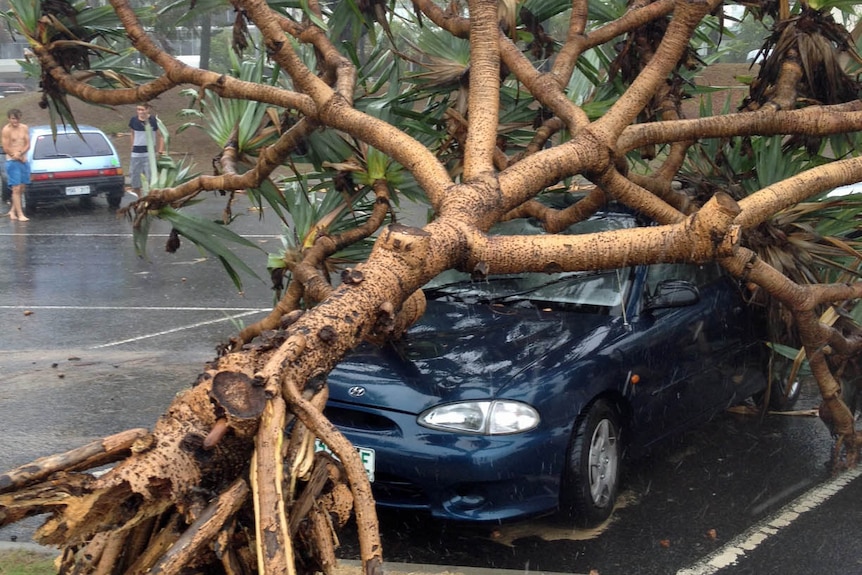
{"x": 132, "y": 308}
{"x": 755, "y": 535}
{"x": 114, "y": 235}
{"x": 174, "y": 330}
{"x": 241, "y": 312}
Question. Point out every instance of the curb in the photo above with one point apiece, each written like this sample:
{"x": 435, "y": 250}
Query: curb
{"x": 31, "y": 547}
{"x": 351, "y": 567}
{"x": 345, "y": 566}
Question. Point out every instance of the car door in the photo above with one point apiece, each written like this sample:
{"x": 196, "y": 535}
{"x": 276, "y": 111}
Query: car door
{"x": 675, "y": 373}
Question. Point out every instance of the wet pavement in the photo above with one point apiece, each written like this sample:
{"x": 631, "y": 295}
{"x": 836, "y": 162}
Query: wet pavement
{"x": 96, "y": 340}
{"x": 682, "y": 503}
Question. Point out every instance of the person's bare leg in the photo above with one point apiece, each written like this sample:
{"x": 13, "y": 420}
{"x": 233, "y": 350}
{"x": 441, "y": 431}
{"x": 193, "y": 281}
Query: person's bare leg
{"x": 17, "y": 191}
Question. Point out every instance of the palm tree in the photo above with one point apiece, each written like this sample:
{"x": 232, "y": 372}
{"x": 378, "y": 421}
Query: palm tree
{"x": 334, "y": 134}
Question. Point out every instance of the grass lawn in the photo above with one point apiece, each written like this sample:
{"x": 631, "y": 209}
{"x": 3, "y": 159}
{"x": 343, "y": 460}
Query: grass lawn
{"x": 23, "y": 562}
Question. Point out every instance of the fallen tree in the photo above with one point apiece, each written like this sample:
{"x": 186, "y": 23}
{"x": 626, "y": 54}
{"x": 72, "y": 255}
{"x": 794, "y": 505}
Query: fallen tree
{"x": 218, "y": 483}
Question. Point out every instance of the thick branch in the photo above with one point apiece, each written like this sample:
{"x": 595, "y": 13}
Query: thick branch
{"x": 765, "y": 203}
{"x": 635, "y": 197}
{"x": 483, "y": 107}
{"x": 546, "y": 88}
{"x": 704, "y": 236}
{"x": 335, "y": 111}
{"x": 554, "y": 220}
{"x": 577, "y": 42}
{"x": 784, "y": 97}
{"x": 814, "y": 334}
{"x": 687, "y": 15}
{"x": 269, "y": 159}
{"x": 811, "y": 121}
{"x": 449, "y": 21}
{"x": 312, "y": 260}
{"x": 520, "y": 182}
{"x": 289, "y": 302}
{"x": 274, "y": 545}
{"x": 204, "y": 530}
{"x": 106, "y": 450}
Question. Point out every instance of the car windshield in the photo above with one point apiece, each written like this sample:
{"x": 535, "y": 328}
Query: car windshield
{"x": 602, "y": 289}
{"x": 70, "y": 146}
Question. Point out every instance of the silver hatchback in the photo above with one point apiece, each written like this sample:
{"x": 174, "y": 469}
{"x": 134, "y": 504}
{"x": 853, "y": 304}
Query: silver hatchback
{"x": 81, "y": 164}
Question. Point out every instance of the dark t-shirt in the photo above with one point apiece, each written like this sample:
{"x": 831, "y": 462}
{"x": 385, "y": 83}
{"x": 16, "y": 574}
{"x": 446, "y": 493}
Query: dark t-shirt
{"x": 139, "y": 134}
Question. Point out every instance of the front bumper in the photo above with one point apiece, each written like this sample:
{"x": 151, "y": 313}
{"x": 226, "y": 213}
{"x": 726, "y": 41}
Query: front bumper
{"x": 455, "y": 476}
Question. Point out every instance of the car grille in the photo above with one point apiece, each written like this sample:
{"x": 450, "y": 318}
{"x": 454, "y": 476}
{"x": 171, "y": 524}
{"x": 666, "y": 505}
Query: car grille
{"x": 388, "y": 489}
{"x": 392, "y": 490}
{"x": 359, "y": 420}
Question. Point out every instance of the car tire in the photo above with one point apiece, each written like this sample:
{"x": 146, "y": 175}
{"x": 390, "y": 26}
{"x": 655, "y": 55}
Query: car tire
{"x": 781, "y": 398}
{"x": 784, "y": 393}
{"x": 592, "y": 475}
{"x": 115, "y": 198}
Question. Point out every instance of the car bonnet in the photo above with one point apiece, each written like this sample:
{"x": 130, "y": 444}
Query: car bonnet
{"x": 459, "y": 351}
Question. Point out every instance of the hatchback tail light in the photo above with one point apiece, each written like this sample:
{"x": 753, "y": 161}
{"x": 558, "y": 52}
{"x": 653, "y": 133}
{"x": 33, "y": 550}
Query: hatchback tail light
{"x": 104, "y": 172}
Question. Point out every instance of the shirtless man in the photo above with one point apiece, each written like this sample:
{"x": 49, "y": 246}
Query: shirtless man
{"x": 15, "y": 137}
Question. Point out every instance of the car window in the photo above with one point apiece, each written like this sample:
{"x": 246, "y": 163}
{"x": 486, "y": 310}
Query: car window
{"x": 71, "y": 145}
{"x": 601, "y": 289}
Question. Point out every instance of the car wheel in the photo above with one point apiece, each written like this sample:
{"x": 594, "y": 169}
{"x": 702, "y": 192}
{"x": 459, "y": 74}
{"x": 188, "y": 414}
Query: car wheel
{"x": 592, "y": 473}
{"x": 115, "y": 197}
{"x": 784, "y": 393}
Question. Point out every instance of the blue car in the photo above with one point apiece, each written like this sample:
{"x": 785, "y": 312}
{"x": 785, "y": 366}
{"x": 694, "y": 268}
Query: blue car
{"x": 518, "y": 395}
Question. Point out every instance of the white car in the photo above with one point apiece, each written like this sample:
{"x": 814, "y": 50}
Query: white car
{"x": 81, "y": 164}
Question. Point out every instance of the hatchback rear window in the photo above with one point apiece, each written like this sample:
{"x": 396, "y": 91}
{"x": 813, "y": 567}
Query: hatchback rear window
{"x": 71, "y": 145}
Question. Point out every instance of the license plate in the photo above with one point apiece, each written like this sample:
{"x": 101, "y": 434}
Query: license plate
{"x": 77, "y": 190}
{"x": 366, "y": 455}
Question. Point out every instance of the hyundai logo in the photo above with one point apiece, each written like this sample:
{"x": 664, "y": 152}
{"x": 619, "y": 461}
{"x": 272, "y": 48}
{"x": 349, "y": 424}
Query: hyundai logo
{"x": 356, "y": 391}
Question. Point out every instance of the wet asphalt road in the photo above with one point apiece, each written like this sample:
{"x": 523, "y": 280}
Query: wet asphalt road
{"x": 96, "y": 340}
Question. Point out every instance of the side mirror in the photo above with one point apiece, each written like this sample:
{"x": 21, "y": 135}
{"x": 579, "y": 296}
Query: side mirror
{"x": 673, "y": 293}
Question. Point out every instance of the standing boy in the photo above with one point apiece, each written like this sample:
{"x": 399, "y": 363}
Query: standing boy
{"x": 15, "y": 138}
{"x": 140, "y": 162}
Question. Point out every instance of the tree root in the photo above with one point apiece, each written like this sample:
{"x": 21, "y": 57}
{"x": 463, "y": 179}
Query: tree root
{"x": 107, "y": 450}
{"x": 174, "y": 505}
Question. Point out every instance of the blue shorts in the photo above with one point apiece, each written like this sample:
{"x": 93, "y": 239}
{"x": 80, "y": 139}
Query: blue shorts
{"x": 17, "y": 172}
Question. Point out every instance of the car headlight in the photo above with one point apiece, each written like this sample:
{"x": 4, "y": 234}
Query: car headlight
{"x": 497, "y": 417}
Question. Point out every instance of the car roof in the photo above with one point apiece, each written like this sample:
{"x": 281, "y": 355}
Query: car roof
{"x": 62, "y": 129}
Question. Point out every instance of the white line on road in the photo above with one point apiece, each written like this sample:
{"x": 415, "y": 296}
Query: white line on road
{"x": 237, "y": 312}
{"x": 131, "y": 308}
{"x": 114, "y": 235}
{"x": 174, "y": 330}
{"x": 755, "y": 535}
